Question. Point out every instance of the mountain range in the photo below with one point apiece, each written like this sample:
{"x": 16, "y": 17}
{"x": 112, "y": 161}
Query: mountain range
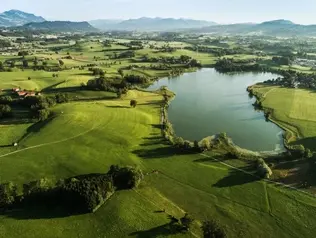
{"x": 60, "y": 26}
{"x": 274, "y": 28}
{"x": 18, "y": 18}
{"x": 150, "y": 24}
{"x": 23, "y": 20}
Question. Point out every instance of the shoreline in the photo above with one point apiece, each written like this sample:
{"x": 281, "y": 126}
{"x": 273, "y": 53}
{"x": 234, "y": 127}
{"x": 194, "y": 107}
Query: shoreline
{"x": 288, "y": 135}
{"x": 258, "y": 153}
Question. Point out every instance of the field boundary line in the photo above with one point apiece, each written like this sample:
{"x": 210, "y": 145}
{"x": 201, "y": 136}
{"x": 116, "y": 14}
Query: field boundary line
{"x": 265, "y": 180}
{"x": 154, "y": 204}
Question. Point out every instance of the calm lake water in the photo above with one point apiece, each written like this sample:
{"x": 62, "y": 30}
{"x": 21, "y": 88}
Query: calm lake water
{"x": 208, "y": 102}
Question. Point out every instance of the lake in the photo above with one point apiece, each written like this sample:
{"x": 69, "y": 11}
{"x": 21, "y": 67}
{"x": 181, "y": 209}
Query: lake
{"x": 208, "y": 102}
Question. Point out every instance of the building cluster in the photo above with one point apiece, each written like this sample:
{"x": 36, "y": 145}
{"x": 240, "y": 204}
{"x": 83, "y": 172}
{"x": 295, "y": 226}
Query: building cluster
{"x": 25, "y": 93}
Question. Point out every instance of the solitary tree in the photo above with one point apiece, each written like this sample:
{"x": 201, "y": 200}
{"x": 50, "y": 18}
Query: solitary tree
{"x": 133, "y": 103}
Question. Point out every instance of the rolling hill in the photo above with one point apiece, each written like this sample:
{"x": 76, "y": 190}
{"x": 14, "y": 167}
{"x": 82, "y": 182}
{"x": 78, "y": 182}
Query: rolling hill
{"x": 60, "y": 26}
{"x": 280, "y": 27}
{"x": 150, "y": 24}
{"x": 18, "y": 18}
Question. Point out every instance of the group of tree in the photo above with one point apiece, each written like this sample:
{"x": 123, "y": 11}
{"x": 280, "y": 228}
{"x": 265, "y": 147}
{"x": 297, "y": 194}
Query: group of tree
{"x": 183, "y": 59}
{"x": 40, "y": 105}
{"x": 226, "y": 65}
{"x": 82, "y": 194}
{"x": 4, "y": 43}
{"x": 97, "y": 72}
{"x": 23, "y": 53}
{"x": 281, "y": 60}
{"x": 293, "y": 79}
{"x": 136, "y": 79}
{"x": 125, "y": 54}
{"x": 218, "y": 52}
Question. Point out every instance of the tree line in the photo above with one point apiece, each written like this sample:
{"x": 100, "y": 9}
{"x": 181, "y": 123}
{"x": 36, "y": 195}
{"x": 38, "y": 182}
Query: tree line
{"x": 81, "y": 194}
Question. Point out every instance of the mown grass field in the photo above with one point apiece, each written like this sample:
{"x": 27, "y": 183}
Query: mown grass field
{"x": 88, "y": 137}
{"x": 294, "y": 109}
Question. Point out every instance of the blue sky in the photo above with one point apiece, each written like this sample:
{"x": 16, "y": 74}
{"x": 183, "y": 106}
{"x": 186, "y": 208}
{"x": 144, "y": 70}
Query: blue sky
{"x": 222, "y": 11}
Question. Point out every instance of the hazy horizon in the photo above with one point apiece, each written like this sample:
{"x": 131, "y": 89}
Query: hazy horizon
{"x": 223, "y": 12}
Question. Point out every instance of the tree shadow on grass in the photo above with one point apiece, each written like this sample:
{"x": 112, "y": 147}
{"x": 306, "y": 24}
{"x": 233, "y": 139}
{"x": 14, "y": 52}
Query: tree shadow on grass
{"x": 160, "y": 152}
{"x": 117, "y": 106}
{"x": 40, "y": 211}
{"x": 153, "y": 102}
{"x": 35, "y": 128}
{"x": 237, "y": 177}
{"x": 309, "y": 142}
{"x": 160, "y": 231}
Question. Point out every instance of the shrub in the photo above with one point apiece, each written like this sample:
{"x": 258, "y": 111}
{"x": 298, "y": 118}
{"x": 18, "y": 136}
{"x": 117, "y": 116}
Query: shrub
{"x": 297, "y": 151}
{"x": 211, "y": 229}
{"x": 62, "y": 98}
{"x": 43, "y": 114}
{"x": 308, "y": 154}
{"x": 186, "y": 222}
{"x": 5, "y": 100}
{"x": 205, "y": 144}
{"x": 5, "y": 111}
{"x": 178, "y": 142}
{"x": 126, "y": 177}
{"x": 133, "y": 103}
{"x": 263, "y": 169}
{"x": 7, "y": 194}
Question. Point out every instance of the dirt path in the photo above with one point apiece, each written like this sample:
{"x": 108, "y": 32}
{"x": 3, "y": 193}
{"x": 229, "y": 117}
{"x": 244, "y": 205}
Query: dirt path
{"x": 49, "y": 143}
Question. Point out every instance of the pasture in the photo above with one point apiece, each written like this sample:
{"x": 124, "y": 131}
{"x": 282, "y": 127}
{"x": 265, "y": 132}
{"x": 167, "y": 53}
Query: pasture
{"x": 89, "y": 135}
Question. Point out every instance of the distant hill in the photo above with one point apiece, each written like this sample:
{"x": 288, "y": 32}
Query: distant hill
{"x": 17, "y": 18}
{"x": 60, "y": 26}
{"x": 150, "y": 24}
{"x": 105, "y": 24}
{"x": 281, "y": 27}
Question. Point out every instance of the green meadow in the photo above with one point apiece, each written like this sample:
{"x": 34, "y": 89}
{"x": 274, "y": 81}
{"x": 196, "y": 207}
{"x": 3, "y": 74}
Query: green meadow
{"x": 88, "y": 136}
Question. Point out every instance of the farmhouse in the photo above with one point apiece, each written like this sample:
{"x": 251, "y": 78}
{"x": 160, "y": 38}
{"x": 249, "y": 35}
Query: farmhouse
{"x": 21, "y": 93}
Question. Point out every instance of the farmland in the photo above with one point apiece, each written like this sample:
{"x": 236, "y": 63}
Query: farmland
{"x": 96, "y": 128}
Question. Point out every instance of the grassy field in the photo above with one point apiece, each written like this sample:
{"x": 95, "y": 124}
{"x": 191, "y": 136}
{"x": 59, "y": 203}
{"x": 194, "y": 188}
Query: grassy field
{"x": 294, "y": 109}
{"x": 87, "y": 137}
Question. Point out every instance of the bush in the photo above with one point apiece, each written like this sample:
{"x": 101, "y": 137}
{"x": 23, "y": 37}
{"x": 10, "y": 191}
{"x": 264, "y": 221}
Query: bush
{"x": 205, "y": 144}
{"x": 308, "y": 154}
{"x": 297, "y": 151}
{"x": 43, "y": 114}
{"x": 133, "y": 103}
{"x": 5, "y": 111}
{"x": 126, "y": 177}
{"x": 62, "y": 98}
{"x": 211, "y": 229}
{"x": 5, "y": 100}
{"x": 7, "y": 194}
{"x": 263, "y": 169}
{"x": 186, "y": 222}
